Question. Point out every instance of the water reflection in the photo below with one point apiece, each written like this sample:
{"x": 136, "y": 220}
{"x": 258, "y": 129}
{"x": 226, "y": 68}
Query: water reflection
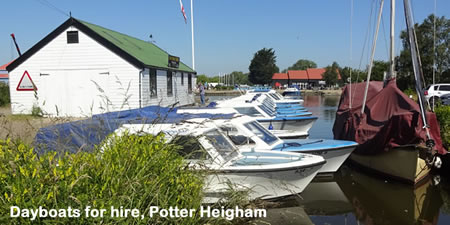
{"x": 324, "y": 107}
{"x": 376, "y": 201}
{"x": 320, "y": 100}
{"x": 323, "y": 201}
{"x": 353, "y": 198}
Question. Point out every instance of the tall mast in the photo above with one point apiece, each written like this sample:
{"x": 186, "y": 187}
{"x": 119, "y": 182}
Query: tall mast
{"x": 392, "y": 48}
{"x": 415, "y": 58}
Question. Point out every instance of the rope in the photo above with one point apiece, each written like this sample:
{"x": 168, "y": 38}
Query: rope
{"x": 351, "y": 46}
{"x": 51, "y": 6}
{"x": 372, "y": 56}
{"x": 364, "y": 46}
{"x": 434, "y": 50}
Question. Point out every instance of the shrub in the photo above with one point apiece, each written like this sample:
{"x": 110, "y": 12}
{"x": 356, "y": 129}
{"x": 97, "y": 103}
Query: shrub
{"x": 4, "y": 94}
{"x": 443, "y": 116}
{"x": 134, "y": 172}
{"x": 37, "y": 111}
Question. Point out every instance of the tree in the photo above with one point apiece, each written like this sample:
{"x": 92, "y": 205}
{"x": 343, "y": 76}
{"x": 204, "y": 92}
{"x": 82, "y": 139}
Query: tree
{"x": 263, "y": 66}
{"x": 331, "y": 74}
{"x": 202, "y": 78}
{"x": 424, "y": 33}
{"x": 378, "y": 70}
{"x": 239, "y": 77}
{"x": 357, "y": 75}
{"x": 301, "y": 64}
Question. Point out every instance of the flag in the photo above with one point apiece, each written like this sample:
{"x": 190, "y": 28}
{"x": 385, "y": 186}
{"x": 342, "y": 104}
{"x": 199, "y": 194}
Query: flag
{"x": 182, "y": 11}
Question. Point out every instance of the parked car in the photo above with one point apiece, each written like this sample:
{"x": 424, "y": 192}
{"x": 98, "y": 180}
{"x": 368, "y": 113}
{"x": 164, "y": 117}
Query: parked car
{"x": 435, "y": 91}
{"x": 445, "y": 99}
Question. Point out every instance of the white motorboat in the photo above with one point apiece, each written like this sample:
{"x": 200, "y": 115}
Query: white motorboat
{"x": 249, "y": 135}
{"x": 292, "y": 93}
{"x": 262, "y": 108}
{"x": 285, "y": 128}
{"x": 264, "y": 174}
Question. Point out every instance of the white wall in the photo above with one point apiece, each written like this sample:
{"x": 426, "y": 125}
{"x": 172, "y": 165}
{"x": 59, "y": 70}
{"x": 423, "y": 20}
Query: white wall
{"x": 64, "y": 75}
{"x": 180, "y": 91}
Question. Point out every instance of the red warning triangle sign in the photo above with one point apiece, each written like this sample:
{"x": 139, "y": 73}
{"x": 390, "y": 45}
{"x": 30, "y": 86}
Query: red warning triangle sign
{"x": 26, "y": 83}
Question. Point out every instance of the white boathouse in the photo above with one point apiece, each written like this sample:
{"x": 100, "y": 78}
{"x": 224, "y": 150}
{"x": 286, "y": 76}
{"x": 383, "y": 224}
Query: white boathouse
{"x": 80, "y": 69}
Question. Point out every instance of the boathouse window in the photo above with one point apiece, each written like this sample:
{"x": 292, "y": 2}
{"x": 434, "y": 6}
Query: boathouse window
{"x": 72, "y": 37}
{"x": 153, "y": 87}
{"x": 182, "y": 78}
{"x": 190, "y": 83}
{"x": 169, "y": 84}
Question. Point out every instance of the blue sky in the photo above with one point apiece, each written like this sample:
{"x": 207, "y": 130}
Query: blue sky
{"x": 227, "y": 32}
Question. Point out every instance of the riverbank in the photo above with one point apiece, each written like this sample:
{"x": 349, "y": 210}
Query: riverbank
{"x": 237, "y": 92}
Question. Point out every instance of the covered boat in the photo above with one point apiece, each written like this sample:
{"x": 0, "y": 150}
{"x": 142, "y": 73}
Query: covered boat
{"x": 398, "y": 138}
{"x": 390, "y": 131}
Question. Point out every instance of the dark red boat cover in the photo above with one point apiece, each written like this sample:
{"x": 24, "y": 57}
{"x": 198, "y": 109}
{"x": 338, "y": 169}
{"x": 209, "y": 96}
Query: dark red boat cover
{"x": 390, "y": 119}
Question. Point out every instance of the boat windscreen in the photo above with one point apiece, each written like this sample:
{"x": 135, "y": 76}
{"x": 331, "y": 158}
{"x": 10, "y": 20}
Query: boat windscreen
{"x": 267, "y": 110}
{"x": 249, "y": 111}
{"x": 261, "y": 132}
{"x": 222, "y": 145}
{"x": 274, "y": 96}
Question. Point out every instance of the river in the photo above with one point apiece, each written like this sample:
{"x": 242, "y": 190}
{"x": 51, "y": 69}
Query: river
{"x": 353, "y": 197}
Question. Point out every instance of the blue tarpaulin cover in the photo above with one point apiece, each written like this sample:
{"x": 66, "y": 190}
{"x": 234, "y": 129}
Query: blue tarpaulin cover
{"x": 83, "y": 135}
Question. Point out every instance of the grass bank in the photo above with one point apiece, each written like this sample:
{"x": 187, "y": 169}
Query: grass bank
{"x": 134, "y": 173}
{"x": 443, "y": 117}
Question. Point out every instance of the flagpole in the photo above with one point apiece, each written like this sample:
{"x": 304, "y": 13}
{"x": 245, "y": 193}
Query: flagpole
{"x": 192, "y": 32}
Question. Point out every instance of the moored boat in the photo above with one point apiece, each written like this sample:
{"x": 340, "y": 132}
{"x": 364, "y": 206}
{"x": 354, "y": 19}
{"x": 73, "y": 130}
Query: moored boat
{"x": 292, "y": 93}
{"x": 249, "y": 135}
{"x": 263, "y": 174}
{"x": 398, "y": 138}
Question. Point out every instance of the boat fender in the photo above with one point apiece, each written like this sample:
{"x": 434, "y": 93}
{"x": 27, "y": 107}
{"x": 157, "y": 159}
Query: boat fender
{"x": 437, "y": 162}
{"x": 436, "y": 179}
{"x": 270, "y": 126}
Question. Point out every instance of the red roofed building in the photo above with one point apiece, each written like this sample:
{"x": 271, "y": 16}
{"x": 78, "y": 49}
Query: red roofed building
{"x": 281, "y": 78}
{"x": 316, "y": 73}
{"x": 4, "y": 77}
{"x": 303, "y": 78}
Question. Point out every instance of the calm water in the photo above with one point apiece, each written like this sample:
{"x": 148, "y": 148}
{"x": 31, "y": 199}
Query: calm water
{"x": 351, "y": 197}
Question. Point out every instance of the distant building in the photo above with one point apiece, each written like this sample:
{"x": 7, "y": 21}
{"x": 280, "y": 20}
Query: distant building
{"x": 4, "y": 77}
{"x": 301, "y": 78}
{"x": 279, "y": 79}
{"x": 80, "y": 69}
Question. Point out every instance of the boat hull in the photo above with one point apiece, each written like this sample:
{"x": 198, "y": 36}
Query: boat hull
{"x": 402, "y": 163}
{"x": 264, "y": 185}
{"x": 290, "y": 134}
{"x": 335, "y": 152}
{"x": 334, "y": 157}
{"x": 302, "y": 125}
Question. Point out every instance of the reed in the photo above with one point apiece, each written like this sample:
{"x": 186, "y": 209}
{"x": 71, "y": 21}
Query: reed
{"x": 134, "y": 172}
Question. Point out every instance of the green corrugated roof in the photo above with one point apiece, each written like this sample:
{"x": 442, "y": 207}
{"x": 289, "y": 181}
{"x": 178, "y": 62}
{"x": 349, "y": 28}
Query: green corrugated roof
{"x": 148, "y": 53}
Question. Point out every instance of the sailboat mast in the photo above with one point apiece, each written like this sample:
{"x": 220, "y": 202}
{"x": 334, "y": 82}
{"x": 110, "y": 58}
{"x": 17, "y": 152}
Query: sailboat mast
{"x": 392, "y": 48}
{"x": 415, "y": 58}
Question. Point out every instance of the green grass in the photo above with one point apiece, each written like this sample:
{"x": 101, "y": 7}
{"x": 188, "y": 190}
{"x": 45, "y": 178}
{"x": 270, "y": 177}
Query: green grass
{"x": 134, "y": 172}
{"x": 443, "y": 116}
